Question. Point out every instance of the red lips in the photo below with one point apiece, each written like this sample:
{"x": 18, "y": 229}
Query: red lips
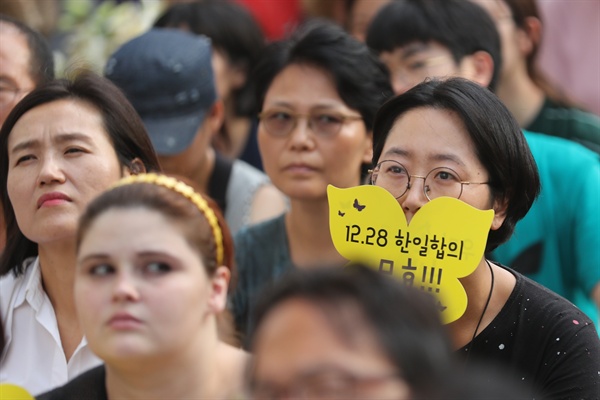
{"x": 52, "y": 198}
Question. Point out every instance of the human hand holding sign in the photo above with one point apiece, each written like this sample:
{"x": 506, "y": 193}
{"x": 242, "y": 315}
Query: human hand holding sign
{"x": 445, "y": 240}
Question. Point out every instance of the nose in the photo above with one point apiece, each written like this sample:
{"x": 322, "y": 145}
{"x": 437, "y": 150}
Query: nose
{"x": 414, "y": 198}
{"x": 402, "y": 81}
{"x": 50, "y": 171}
{"x": 125, "y": 288}
{"x": 300, "y": 137}
{"x": 400, "y": 86}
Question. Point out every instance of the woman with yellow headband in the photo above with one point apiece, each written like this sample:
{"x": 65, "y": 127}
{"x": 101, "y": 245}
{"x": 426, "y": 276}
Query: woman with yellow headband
{"x": 153, "y": 267}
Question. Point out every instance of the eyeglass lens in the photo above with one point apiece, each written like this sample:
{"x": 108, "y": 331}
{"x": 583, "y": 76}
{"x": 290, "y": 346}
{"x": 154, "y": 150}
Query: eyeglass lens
{"x": 282, "y": 124}
{"x": 393, "y": 176}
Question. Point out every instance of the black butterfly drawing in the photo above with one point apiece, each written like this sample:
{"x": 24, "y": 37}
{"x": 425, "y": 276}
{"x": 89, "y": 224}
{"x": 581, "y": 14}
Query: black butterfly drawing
{"x": 341, "y": 214}
{"x": 358, "y": 206}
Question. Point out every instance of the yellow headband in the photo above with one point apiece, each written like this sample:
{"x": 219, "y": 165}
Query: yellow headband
{"x": 189, "y": 193}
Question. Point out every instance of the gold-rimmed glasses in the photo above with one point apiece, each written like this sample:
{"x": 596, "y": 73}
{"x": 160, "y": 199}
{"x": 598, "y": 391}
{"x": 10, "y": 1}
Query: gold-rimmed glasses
{"x": 440, "y": 181}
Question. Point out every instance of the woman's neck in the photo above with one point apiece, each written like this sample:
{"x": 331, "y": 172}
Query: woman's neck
{"x": 307, "y": 228}
{"x": 195, "y": 372}
{"x": 485, "y": 300}
{"x": 57, "y": 266}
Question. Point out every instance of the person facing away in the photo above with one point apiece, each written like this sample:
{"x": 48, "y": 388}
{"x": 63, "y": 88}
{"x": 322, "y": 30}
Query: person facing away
{"x": 318, "y": 92}
{"x": 154, "y": 261}
{"x": 237, "y": 42}
{"x": 538, "y": 104}
{"x": 556, "y": 243}
{"x": 62, "y": 145}
{"x": 25, "y": 62}
{"x": 167, "y": 75}
{"x": 354, "y": 333}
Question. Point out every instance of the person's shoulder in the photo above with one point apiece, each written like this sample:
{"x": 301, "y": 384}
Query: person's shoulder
{"x": 544, "y": 142}
{"x": 261, "y": 250}
{"x": 576, "y": 117}
{"x": 8, "y": 283}
{"x": 91, "y": 385}
{"x": 261, "y": 233}
{"x": 547, "y": 148}
{"x": 243, "y": 170}
{"x": 12, "y": 285}
{"x": 544, "y": 304}
{"x": 569, "y": 122}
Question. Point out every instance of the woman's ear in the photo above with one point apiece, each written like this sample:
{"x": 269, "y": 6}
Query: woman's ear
{"x": 530, "y": 36}
{"x": 135, "y": 167}
{"x": 217, "y": 300}
{"x": 500, "y": 206}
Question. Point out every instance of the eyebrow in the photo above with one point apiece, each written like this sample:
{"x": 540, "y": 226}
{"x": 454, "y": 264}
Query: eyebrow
{"x": 142, "y": 254}
{"x": 413, "y": 49}
{"x": 93, "y": 256}
{"x": 313, "y": 107}
{"x": 397, "y": 151}
{"x": 60, "y": 138}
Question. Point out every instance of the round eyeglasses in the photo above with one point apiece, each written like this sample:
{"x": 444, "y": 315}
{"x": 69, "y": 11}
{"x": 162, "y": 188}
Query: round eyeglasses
{"x": 441, "y": 181}
{"x": 325, "y": 124}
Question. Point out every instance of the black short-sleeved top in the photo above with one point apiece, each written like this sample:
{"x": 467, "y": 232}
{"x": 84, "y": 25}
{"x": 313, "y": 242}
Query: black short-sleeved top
{"x": 545, "y": 341}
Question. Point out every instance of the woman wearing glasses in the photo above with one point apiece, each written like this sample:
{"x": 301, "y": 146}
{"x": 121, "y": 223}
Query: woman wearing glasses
{"x": 318, "y": 92}
{"x": 455, "y": 138}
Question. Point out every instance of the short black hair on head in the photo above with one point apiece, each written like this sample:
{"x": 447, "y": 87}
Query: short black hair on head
{"x": 362, "y": 81}
{"x": 232, "y": 30}
{"x": 460, "y": 25}
{"x": 499, "y": 142}
{"x": 404, "y": 320}
{"x": 41, "y": 60}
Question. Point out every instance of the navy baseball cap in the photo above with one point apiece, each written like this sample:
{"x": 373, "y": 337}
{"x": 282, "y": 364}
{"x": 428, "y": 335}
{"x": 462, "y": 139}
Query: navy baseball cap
{"x": 167, "y": 75}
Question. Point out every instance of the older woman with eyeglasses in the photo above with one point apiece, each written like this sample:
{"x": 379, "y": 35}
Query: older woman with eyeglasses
{"x": 319, "y": 92}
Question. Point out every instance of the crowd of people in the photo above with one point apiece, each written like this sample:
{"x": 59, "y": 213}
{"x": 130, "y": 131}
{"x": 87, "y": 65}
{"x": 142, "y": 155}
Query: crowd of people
{"x": 166, "y": 228}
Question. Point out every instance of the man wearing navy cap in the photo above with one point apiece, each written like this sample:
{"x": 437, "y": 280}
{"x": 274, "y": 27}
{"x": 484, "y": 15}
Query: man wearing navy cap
{"x": 168, "y": 77}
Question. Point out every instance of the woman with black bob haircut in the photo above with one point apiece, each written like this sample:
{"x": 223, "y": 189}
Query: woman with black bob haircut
{"x": 460, "y": 134}
{"x": 318, "y": 92}
{"x": 361, "y": 85}
{"x": 61, "y": 146}
{"x": 498, "y": 142}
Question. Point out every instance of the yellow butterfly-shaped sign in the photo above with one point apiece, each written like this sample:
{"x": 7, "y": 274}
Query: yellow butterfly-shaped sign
{"x": 13, "y": 392}
{"x": 445, "y": 240}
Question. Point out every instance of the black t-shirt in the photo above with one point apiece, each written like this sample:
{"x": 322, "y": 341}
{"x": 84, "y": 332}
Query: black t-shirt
{"x": 545, "y": 341}
{"x": 91, "y": 385}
